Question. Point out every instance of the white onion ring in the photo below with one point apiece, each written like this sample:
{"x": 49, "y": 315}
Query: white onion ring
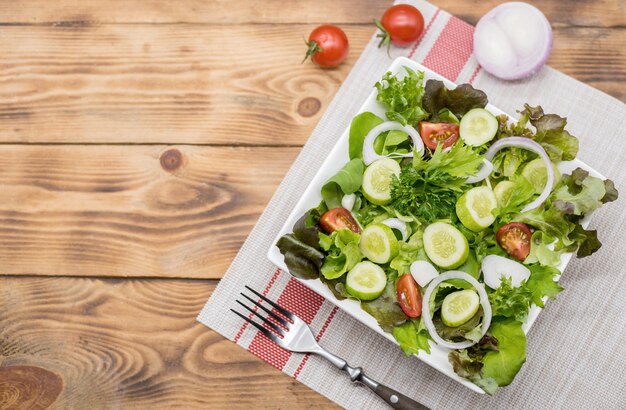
{"x": 395, "y": 223}
{"x": 518, "y": 142}
{"x": 347, "y": 201}
{"x": 369, "y": 155}
{"x": 426, "y": 314}
{"x": 483, "y": 172}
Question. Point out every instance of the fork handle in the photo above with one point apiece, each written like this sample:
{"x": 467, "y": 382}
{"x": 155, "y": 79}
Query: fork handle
{"x": 392, "y": 397}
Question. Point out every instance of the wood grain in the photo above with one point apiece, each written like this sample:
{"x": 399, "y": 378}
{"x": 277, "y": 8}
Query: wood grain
{"x": 155, "y": 211}
{"x": 133, "y": 343}
{"x": 599, "y": 13}
{"x": 201, "y": 84}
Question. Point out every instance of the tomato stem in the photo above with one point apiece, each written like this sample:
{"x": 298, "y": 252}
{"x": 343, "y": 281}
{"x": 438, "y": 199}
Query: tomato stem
{"x": 313, "y": 48}
{"x": 385, "y": 38}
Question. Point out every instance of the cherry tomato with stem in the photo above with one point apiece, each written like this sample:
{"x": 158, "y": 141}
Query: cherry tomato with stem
{"x": 327, "y": 46}
{"x": 338, "y": 218}
{"x": 409, "y": 296}
{"x": 401, "y": 25}
{"x": 514, "y": 238}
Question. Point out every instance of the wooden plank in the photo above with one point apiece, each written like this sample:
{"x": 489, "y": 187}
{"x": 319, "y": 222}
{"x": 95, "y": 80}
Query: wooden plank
{"x": 131, "y": 211}
{"x": 202, "y": 85}
{"x": 601, "y": 13}
{"x": 131, "y": 343}
{"x": 164, "y": 84}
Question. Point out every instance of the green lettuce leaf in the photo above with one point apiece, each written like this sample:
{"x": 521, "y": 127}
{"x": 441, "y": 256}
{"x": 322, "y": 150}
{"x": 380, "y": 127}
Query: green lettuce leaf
{"x": 458, "y": 101}
{"x": 503, "y": 365}
{"x": 550, "y": 221}
{"x": 445, "y": 115}
{"x": 521, "y": 195}
{"x": 343, "y": 252}
{"x": 579, "y": 193}
{"x": 412, "y": 336}
{"x": 509, "y": 302}
{"x": 410, "y": 251}
{"x": 541, "y": 283}
{"x": 402, "y": 97}
{"x": 540, "y": 251}
{"x": 459, "y": 161}
{"x": 551, "y": 134}
{"x": 347, "y": 181}
{"x": 468, "y": 363}
{"x": 361, "y": 125}
{"x": 306, "y": 229}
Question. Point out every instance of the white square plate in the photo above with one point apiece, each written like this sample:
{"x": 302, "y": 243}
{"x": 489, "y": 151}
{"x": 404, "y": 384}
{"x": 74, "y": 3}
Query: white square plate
{"x": 338, "y": 157}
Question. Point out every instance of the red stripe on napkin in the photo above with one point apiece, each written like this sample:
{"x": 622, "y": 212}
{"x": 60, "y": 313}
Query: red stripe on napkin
{"x": 298, "y": 299}
{"x": 452, "y": 49}
{"x": 419, "y": 40}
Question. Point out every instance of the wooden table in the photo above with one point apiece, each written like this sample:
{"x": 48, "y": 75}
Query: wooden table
{"x": 140, "y": 142}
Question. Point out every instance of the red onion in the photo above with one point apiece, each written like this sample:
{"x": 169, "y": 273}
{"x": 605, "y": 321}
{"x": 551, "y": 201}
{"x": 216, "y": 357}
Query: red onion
{"x": 513, "y": 40}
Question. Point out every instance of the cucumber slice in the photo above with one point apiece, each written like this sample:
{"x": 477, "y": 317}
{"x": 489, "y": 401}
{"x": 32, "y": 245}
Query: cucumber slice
{"x": 478, "y": 126}
{"x": 378, "y": 243}
{"x": 503, "y": 192}
{"x": 474, "y": 208}
{"x": 459, "y": 307}
{"x": 366, "y": 281}
{"x": 377, "y": 180}
{"x": 535, "y": 173}
{"x": 445, "y": 245}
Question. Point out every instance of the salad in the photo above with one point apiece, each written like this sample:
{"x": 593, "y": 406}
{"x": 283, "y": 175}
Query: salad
{"x": 448, "y": 223}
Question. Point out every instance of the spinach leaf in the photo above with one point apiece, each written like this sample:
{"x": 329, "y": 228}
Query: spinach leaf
{"x": 412, "y": 336}
{"x": 458, "y": 101}
{"x": 361, "y": 125}
{"x": 346, "y": 181}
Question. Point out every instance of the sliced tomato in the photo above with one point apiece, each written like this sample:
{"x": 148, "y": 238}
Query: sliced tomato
{"x": 409, "y": 296}
{"x": 514, "y": 238}
{"x": 435, "y": 133}
{"x": 338, "y": 218}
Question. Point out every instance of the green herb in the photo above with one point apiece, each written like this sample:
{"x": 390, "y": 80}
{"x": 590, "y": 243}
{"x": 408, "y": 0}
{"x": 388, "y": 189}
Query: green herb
{"x": 402, "y": 97}
{"x": 510, "y": 302}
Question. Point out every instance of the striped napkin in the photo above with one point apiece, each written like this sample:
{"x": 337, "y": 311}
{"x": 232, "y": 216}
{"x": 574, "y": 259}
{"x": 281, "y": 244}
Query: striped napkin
{"x": 576, "y": 349}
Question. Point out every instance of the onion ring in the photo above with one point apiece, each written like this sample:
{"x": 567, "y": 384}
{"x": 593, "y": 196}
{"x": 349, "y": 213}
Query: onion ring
{"x": 369, "y": 155}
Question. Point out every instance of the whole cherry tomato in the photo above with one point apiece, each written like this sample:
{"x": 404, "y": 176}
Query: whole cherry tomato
{"x": 401, "y": 24}
{"x": 328, "y": 46}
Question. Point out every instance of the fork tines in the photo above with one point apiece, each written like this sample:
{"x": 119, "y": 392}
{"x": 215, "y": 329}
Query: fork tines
{"x": 286, "y": 324}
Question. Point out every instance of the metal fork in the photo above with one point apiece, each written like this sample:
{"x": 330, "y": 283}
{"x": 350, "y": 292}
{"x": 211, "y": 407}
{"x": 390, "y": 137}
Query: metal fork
{"x": 294, "y": 335}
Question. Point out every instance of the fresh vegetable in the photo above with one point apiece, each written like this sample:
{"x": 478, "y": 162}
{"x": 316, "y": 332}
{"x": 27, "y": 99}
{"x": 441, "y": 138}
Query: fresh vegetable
{"x": 347, "y": 201}
{"x": 409, "y": 296}
{"x": 521, "y": 142}
{"x": 458, "y": 101}
{"x": 366, "y": 281}
{"x": 427, "y": 312}
{"x": 513, "y": 40}
{"x": 338, "y": 218}
{"x": 377, "y": 180}
{"x": 369, "y": 153}
{"x": 385, "y": 308}
{"x": 402, "y": 97}
{"x": 536, "y": 173}
{"x": 514, "y": 238}
{"x": 401, "y": 25}
{"x": 378, "y": 243}
{"x": 459, "y": 307}
{"x": 496, "y": 267}
{"x": 511, "y": 301}
{"x": 475, "y": 208}
{"x": 445, "y": 245}
{"x": 395, "y": 223}
{"x": 342, "y": 253}
{"x": 327, "y": 46}
{"x": 434, "y": 134}
{"x": 412, "y": 336}
{"x": 503, "y": 192}
{"x": 347, "y": 181}
{"x": 478, "y": 127}
{"x": 423, "y": 272}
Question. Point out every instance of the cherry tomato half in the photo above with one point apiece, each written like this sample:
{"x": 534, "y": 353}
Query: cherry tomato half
{"x": 328, "y": 46}
{"x": 403, "y": 24}
{"x": 409, "y": 296}
{"x": 514, "y": 238}
{"x": 338, "y": 218}
{"x": 434, "y": 134}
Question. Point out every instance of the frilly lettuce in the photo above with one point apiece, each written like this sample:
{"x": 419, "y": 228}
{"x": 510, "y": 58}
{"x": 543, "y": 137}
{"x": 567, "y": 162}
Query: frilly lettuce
{"x": 342, "y": 248}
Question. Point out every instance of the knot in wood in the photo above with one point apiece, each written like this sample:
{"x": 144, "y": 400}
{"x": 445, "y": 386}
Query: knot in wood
{"x": 171, "y": 160}
{"x": 28, "y": 387}
{"x": 309, "y": 106}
